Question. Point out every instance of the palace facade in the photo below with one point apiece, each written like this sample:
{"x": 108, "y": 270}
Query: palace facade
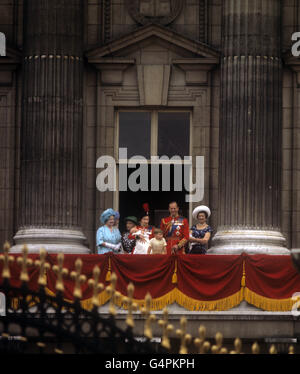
{"x": 211, "y": 78}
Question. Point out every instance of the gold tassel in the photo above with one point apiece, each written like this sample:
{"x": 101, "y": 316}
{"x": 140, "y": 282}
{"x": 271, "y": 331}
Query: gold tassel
{"x": 174, "y": 277}
{"x": 243, "y": 281}
{"x": 108, "y": 274}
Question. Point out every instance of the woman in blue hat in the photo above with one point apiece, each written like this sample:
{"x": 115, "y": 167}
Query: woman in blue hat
{"x": 108, "y": 238}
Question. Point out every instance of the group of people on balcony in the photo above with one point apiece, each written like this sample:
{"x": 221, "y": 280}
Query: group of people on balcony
{"x": 173, "y": 236}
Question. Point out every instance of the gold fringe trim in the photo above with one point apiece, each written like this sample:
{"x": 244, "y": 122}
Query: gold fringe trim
{"x": 202, "y": 305}
{"x": 265, "y": 303}
{"x": 156, "y": 304}
{"x": 88, "y": 303}
{"x": 176, "y": 296}
{"x": 103, "y": 298}
{"x": 171, "y": 297}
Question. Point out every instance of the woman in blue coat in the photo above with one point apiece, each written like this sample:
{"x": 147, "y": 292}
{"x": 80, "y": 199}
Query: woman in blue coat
{"x": 108, "y": 238}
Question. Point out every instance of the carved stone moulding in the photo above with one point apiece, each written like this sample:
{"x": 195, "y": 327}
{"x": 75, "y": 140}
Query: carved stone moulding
{"x": 162, "y": 12}
{"x": 294, "y": 64}
{"x": 112, "y": 69}
{"x": 196, "y": 69}
{"x": 236, "y": 240}
{"x": 53, "y": 240}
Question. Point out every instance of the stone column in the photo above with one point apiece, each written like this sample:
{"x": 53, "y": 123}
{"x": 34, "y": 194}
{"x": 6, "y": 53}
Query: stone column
{"x": 51, "y": 134}
{"x": 250, "y": 129}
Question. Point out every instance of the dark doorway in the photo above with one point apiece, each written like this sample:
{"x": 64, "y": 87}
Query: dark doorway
{"x": 130, "y": 203}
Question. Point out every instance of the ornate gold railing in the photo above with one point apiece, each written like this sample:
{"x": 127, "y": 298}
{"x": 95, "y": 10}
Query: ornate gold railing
{"x": 21, "y": 300}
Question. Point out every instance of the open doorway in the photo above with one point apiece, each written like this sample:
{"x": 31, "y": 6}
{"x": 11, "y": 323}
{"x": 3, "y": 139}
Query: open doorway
{"x": 130, "y": 203}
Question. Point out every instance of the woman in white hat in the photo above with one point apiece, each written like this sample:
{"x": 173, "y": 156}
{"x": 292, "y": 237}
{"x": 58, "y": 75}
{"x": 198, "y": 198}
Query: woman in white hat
{"x": 201, "y": 232}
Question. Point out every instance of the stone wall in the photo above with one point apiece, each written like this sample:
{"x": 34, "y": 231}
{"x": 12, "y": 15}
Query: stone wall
{"x": 10, "y": 90}
{"x": 106, "y": 21}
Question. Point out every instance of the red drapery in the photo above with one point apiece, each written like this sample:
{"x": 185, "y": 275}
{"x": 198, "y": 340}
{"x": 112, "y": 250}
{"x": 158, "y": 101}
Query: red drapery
{"x": 271, "y": 282}
{"x": 196, "y": 282}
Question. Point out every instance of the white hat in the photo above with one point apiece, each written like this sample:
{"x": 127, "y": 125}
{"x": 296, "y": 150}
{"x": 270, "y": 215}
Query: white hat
{"x": 201, "y": 208}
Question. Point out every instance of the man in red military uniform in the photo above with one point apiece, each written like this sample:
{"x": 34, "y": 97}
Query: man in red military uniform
{"x": 175, "y": 229}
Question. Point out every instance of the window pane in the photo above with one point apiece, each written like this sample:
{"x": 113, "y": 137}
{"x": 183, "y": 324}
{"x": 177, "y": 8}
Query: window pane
{"x": 135, "y": 133}
{"x": 174, "y": 134}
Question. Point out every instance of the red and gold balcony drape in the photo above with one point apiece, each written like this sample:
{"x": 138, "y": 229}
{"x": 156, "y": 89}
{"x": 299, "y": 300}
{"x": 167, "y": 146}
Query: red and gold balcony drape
{"x": 195, "y": 282}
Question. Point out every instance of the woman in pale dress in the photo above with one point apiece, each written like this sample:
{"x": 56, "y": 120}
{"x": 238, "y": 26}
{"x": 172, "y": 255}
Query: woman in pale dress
{"x": 108, "y": 238}
{"x": 143, "y": 233}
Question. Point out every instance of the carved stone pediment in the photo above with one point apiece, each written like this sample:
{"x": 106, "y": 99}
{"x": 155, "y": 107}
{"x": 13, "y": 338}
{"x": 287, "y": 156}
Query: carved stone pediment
{"x": 176, "y": 41}
{"x": 154, "y": 50}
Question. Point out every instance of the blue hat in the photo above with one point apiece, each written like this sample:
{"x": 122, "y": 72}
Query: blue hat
{"x": 117, "y": 215}
{"x": 106, "y": 214}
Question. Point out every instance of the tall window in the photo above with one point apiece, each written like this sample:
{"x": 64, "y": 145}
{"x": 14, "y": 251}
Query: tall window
{"x": 173, "y": 134}
{"x": 135, "y": 133}
{"x": 154, "y": 133}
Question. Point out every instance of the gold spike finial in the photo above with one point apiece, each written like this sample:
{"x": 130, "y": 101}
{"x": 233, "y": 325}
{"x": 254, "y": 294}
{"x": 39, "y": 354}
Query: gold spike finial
{"x": 199, "y": 342}
{"x": 291, "y": 350}
{"x": 146, "y": 311}
{"x": 206, "y": 347}
{"x": 96, "y": 286}
{"x": 131, "y": 305}
{"x": 184, "y": 337}
{"x": 44, "y": 266}
{"x": 273, "y": 350}
{"x": 78, "y": 278}
{"x": 255, "y": 348}
{"x": 24, "y": 261}
{"x": 114, "y": 295}
{"x": 216, "y": 349}
{"x": 6, "y": 259}
{"x": 60, "y": 272}
{"x": 223, "y": 351}
{"x": 167, "y": 329}
{"x": 237, "y": 346}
